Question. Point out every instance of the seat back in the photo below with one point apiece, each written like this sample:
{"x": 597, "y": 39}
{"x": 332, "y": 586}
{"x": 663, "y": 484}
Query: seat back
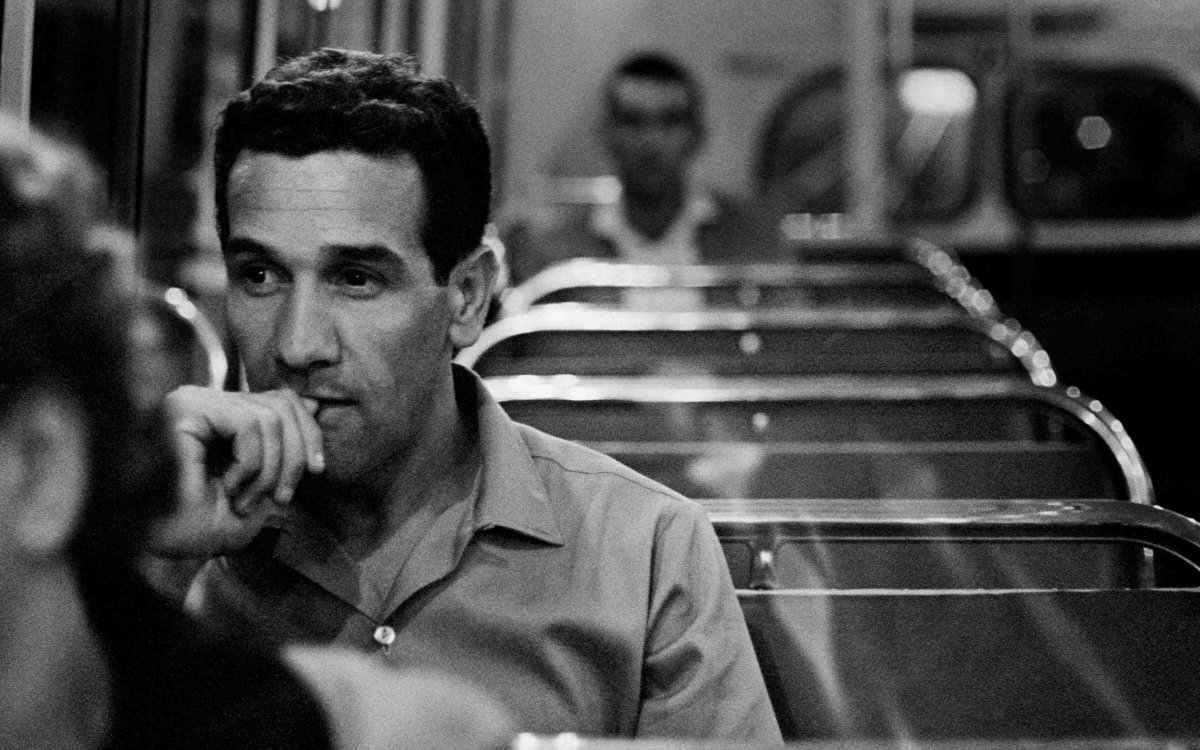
{"x": 979, "y": 665}
{"x": 897, "y": 284}
{"x": 843, "y": 437}
{"x": 992, "y": 470}
{"x": 579, "y": 340}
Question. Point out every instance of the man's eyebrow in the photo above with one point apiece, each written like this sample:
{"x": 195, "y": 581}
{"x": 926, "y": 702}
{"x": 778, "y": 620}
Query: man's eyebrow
{"x": 373, "y": 253}
{"x": 244, "y": 246}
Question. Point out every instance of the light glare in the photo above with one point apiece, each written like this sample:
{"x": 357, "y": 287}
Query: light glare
{"x": 1093, "y": 132}
{"x": 938, "y": 91}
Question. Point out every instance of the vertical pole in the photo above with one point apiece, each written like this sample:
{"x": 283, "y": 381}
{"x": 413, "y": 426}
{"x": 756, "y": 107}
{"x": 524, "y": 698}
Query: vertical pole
{"x": 392, "y": 14}
{"x": 900, "y": 33}
{"x": 16, "y": 60}
{"x": 129, "y": 111}
{"x": 432, "y": 50}
{"x": 266, "y": 37}
{"x": 866, "y": 106}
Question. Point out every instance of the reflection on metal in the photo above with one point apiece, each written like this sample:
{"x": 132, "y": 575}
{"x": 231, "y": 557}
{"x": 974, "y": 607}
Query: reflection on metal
{"x": 810, "y": 226}
{"x": 568, "y": 741}
{"x": 176, "y": 302}
{"x": 579, "y": 319}
{"x": 751, "y": 280}
{"x": 915, "y": 263}
{"x": 954, "y": 279}
{"x": 1084, "y": 411}
{"x": 1093, "y": 132}
{"x": 764, "y": 524}
{"x": 16, "y": 59}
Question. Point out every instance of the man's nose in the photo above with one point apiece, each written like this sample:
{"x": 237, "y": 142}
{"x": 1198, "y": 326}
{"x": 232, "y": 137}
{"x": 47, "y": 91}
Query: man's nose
{"x": 305, "y": 335}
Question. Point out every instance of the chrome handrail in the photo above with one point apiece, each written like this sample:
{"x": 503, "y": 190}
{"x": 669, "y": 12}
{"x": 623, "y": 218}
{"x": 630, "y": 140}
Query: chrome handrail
{"x": 582, "y": 318}
{"x": 177, "y": 303}
{"x": 953, "y": 278}
{"x": 590, "y": 273}
{"x": 1085, "y": 410}
{"x": 764, "y": 523}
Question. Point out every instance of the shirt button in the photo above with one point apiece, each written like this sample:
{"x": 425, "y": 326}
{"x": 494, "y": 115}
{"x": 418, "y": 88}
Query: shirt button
{"x": 384, "y": 635}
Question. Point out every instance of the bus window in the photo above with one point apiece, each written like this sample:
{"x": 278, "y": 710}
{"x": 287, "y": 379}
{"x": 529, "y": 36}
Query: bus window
{"x": 801, "y": 164}
{"x": 1103, "y": 144}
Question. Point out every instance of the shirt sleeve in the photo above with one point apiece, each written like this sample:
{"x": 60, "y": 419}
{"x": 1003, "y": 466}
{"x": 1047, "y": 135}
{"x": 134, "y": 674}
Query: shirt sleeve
{"x": 701, "y": 677}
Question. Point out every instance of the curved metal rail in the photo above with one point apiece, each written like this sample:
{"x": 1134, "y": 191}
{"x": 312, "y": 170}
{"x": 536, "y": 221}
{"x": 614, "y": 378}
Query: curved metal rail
{"x": 175, "y": 302}
{"x": 749, "y": 280}
{"x": 764, "y": 524}
{"x": 953, "y": 278}
{"x": 917, "y": 263}
{"x": 1084, "y": 410}
{"x": 581, "y": 319}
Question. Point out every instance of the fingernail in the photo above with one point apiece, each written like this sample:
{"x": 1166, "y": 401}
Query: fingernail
{"x": 283, "y": 495}
{"x": 318, "y": 463}
{"x": 310, "y": 404}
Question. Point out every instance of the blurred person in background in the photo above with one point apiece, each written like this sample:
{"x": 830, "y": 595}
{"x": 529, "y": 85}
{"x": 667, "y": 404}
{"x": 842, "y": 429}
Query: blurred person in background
{"x": 89, "y": 655}
{"x": 653, "y": 129}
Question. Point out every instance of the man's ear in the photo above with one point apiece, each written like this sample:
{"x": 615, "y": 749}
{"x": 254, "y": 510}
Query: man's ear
{"x": 471, "y": 283}
{"x": 43, "y": 472}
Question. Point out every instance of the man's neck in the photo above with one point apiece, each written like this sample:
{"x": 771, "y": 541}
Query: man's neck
{"x": 54, "y": 680}
{"x": 652, "y": 214}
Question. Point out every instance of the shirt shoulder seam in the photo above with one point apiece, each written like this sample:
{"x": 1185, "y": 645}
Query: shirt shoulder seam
{"x": 633, "y": 478}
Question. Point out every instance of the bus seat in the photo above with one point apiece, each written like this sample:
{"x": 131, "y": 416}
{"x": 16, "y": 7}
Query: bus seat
{"x": 583, "y": 340}
{"x": 992, "y": 470}
{"x": 796, "y": 285}
{"x": 916, "y": 425}
{"x": 982, "y": 665}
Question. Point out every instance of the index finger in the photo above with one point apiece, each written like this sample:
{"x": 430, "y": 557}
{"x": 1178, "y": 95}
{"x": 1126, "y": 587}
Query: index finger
{"x": 305, "y": 410}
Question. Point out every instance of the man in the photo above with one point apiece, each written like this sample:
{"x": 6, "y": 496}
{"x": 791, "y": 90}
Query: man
{"x": 368, "y": 493}
{"x": 89, "y": 656}
{"x": 653, "y": 129}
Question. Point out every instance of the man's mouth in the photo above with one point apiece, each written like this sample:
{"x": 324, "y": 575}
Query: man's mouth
{"x": 327, "y": 405}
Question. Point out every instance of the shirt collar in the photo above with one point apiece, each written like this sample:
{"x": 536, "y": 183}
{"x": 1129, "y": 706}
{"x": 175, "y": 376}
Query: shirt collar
{"x": 513, "y": 495}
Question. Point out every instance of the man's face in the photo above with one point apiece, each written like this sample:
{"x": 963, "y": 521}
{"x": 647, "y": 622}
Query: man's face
{"x": 332, "y": 295}
{"x": 650, "y": 133}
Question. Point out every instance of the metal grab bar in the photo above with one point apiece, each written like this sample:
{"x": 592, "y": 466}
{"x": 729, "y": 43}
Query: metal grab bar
{"x": 176, "y": 303}
{"x": 764, "y": 524}
{"x": 589, "y": 273}
{"x": 1087, "y": 412}
{"x": 915, "y": 262}
{"x": 579, "y": 320}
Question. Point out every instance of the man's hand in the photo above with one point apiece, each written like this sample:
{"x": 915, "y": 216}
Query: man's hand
{"x": 241, "y": 456}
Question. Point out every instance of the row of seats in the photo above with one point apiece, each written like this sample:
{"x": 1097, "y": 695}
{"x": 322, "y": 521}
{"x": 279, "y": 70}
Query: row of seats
{"x": 931, "y": 537}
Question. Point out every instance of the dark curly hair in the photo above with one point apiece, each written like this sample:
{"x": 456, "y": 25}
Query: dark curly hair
{"x": 64, "y": 323}
{"x": 378, "y": 105}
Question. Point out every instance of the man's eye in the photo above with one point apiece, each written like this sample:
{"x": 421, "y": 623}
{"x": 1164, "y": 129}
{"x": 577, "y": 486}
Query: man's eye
{"x": 258, "y": 278}
{"x": 359, "y": 282}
